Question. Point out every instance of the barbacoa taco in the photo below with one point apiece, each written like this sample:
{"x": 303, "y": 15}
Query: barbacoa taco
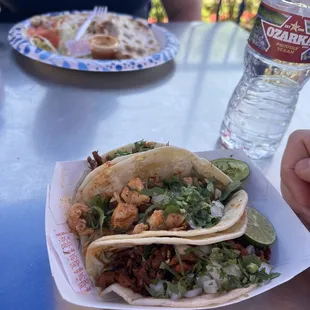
{"x": 164, "y": 272}
{"x": 163, "y": 192}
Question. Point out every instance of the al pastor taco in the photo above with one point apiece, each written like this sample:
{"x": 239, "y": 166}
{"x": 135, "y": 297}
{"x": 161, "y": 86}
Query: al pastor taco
{"x": 165, "y": 272}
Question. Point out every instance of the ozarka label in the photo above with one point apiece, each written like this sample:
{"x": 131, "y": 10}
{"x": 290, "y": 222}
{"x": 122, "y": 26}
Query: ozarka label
{"x": 280, "y": 35}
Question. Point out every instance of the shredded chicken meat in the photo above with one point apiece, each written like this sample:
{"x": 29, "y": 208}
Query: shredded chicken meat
{"x": 130, "y": 193}
{"x": 139, "y": 228}
{"x": 124, "y": 216}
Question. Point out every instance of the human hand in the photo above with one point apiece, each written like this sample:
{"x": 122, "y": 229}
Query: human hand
{"x": 295, "y": 174}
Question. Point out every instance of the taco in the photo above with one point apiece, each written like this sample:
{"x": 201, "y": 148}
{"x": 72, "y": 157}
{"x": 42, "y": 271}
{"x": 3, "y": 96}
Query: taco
{"x": 163, "y": 192}
{"x": 157, "y": 272}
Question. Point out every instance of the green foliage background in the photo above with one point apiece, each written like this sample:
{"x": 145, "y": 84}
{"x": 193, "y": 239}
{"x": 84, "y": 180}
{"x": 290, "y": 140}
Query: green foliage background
{"x": 229, "y": 11}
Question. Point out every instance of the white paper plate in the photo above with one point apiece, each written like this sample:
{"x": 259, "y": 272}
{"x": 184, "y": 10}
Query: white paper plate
{"x": 168, "y": 42}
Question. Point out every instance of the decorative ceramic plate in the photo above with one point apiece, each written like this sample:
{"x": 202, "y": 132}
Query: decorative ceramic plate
{"x": 19, "y": 40}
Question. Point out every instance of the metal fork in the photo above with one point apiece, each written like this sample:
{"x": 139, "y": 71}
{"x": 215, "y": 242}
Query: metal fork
{"x": 98, "y": 10}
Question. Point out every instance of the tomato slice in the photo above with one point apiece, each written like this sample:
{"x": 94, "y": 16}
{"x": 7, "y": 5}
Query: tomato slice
{"x": 49, "y": 34}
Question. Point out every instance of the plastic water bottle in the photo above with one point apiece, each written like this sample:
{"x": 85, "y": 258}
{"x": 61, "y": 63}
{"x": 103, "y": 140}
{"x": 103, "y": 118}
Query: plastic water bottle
{"x": 277, "y": 66}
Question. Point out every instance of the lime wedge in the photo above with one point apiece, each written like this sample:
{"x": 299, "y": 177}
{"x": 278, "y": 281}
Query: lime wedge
{"x": 237, "y": 170}
{"x": 259, "y": 231}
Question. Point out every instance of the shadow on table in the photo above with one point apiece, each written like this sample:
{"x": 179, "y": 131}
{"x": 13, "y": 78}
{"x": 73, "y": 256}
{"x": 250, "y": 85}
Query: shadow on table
{"x": 67, "y": 121}
{"x": 47, "y": 75}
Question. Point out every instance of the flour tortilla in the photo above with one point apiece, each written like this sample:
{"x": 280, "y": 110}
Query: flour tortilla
{"x": 164, "y": 162}
{"x": 233, "y": 232}
{"x": 106, "y": 163}
{"x": 134, "y": 34}
{"x": 109, "y": 245}
{"x": 128, "y": 148}
{"x": 203, "y": 301}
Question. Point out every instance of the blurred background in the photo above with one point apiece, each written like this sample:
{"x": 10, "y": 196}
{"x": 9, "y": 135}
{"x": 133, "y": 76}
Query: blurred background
{"x": 240, "y": 11}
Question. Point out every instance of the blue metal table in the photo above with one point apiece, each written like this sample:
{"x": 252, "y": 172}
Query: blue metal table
{"x": 49, "y": 114}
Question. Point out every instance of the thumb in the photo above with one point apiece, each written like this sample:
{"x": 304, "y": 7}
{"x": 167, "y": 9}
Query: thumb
{"x": 302, "y": 169}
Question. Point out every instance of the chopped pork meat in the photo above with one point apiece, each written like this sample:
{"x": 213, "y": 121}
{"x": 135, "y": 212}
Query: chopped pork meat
{"x": 96, "y": 162}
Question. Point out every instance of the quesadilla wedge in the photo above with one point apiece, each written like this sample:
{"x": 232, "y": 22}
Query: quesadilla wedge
{"x": 166, "y": 191}
{"x": 157, "y": 272}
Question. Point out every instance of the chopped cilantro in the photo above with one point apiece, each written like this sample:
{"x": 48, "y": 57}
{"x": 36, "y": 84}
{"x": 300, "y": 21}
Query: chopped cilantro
{"x": 194, "y": 201}
{"x": 173, "y": 183}
{"x": 99, "y": 217}
{"x": 121, "y": 153}
{"x": 142, "y": 146}
{"x": 179, "y": 260}
{"x": 96, "y": 201}
{"x": 147, "y": 251}
{"x": 164, "y": 265}
{"x": 171, "y": 208}
{"x": 152, "y": 191}
{"x": 251, "y": 259}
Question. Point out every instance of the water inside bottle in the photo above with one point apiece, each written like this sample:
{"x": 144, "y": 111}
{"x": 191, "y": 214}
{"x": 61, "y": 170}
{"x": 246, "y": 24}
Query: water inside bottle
{"x": 262, "y": 104}
{"x": 264, "y": 101}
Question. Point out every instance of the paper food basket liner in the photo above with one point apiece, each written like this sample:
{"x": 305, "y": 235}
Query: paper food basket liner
{"x": 290, "y": 253}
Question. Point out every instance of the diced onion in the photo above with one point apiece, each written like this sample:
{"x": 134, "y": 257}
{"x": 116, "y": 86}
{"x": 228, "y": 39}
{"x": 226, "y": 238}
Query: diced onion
{"x": 250, "y": 249}
{"x": 218, "y": 204}
{"x": 173, "y": 296}
{"x": 202, "y": 279}
{"x": 158, "y": 289}
{"x": 206, "y": 249}
{"x": 192, "y": 225}
{"x": 210, "y": 287}
{"x": 181, "y": 248}
{"x": 216, "y": 211}
{"x": 215, "y": 274}
{"x": 193, "y": 293}
{"x": 177, "y": 193}
{"x": 233, "y": 270}
{"x": 158, "y": 198}
{"x": 217, "y": 194}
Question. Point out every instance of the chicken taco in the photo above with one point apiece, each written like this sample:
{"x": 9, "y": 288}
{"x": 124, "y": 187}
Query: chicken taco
{"x": 163, "y": 272}
{"x": 163, "y": 192}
